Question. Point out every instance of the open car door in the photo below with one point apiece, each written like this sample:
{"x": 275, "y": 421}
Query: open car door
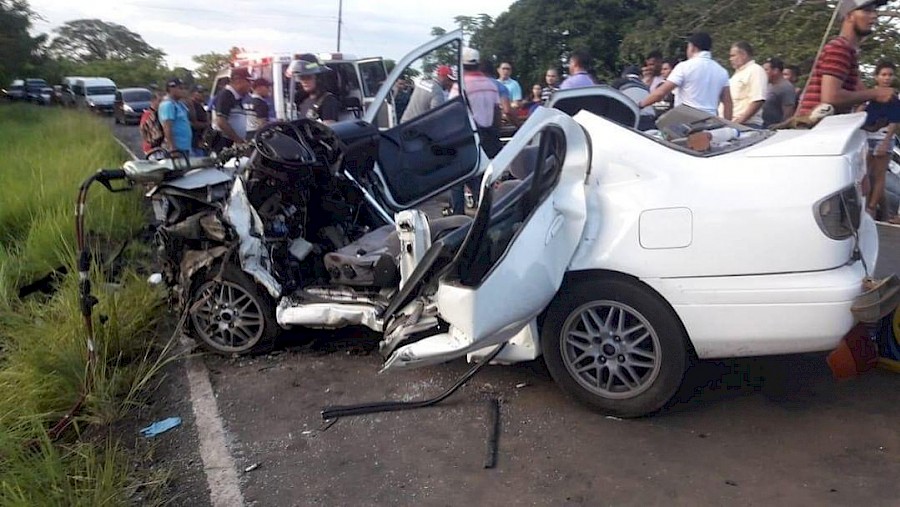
{"x": 421, "y": 155}
{"x": 512, "y": 258}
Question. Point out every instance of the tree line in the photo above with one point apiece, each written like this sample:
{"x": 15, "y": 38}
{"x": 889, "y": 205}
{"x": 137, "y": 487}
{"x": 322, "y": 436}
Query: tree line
{"x": 532, "y": 34}
{"x": 538, "y": 34}
{"x": 89, "y": 47}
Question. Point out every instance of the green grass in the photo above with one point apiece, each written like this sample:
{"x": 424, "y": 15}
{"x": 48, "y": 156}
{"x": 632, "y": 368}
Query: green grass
{"x": 46, "y": 154}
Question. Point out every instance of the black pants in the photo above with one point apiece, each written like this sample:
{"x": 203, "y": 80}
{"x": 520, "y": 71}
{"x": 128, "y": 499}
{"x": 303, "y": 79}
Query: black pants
{"x": 490, "y": 143}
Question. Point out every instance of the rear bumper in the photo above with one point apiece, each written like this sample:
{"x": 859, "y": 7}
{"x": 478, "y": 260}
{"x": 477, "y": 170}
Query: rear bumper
{"x": 767, "y": 314}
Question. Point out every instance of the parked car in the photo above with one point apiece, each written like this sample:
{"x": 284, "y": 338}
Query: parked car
{"x": 96, "y": 94}
{"x": 129, "y": 104}
{"x": 614, "y": 254}
{"x": 45, "y": 97}
{"x": 15, "y": 90}
{"x": 33, "y": 88}
{"x": 67, "y": 95}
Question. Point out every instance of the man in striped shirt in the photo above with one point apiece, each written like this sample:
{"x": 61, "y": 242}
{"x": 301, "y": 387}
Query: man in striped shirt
{"x": 835, "y": 76}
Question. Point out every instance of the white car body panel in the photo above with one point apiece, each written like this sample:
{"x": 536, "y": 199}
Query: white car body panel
{"x": 749, "y": 216}
{"x": 828, "y": 139}
{"x": 533, "y": 265}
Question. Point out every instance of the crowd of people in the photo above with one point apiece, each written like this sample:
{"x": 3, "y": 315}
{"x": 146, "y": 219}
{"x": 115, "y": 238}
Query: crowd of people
{"x": 178, "y": 123}
{"x": 754, "y": 95}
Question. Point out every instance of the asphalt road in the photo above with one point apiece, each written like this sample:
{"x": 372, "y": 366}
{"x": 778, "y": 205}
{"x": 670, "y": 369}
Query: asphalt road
{"x": 773, "y": 431}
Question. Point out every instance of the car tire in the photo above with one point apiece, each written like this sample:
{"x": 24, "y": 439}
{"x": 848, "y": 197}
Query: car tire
{"x": 230, "y": 314}
{"x": 614, "y": 345}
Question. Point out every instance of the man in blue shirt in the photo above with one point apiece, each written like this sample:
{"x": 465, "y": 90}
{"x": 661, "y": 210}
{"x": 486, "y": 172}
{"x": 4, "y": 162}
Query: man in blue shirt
{"x": 515, "y": 90}
{"x": 173, "y": 115}
{"x": 579, "y": 64}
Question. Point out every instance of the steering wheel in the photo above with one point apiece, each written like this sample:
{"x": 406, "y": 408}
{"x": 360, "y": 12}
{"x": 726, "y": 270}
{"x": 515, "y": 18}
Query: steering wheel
{"x": 285, "y": 143}
{"x": 298, "y": 143}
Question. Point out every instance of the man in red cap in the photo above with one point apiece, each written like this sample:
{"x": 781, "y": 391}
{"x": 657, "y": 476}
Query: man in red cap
{"x": 429, "y": 93}
{"x": 835, "y": 75}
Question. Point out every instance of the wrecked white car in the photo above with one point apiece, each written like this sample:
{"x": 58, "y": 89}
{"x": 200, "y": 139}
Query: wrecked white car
{"x": 613, "y": 253}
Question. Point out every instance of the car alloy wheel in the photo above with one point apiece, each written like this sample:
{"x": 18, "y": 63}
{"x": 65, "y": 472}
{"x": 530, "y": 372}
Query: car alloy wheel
{"x": 610, "y": 349}
{"x": 614, "y": 344}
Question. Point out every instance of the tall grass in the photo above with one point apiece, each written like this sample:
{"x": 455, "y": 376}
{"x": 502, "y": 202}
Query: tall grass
{"x": 44, "y": 155}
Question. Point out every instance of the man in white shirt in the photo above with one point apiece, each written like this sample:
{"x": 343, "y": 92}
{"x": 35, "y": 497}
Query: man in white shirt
{"x": 701, "y": 82}
{"x": 748, "y": 85}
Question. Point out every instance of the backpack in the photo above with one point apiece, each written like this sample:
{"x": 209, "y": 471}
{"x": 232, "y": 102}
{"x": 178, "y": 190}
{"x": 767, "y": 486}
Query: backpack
{"x": 152, "y": 131}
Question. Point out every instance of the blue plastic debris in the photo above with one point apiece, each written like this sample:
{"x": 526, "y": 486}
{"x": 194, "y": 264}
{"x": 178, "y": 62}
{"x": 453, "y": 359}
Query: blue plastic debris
{"x": 161, "y": 427}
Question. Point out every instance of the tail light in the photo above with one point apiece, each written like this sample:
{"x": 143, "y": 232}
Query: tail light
{"x": 838, "y": 215}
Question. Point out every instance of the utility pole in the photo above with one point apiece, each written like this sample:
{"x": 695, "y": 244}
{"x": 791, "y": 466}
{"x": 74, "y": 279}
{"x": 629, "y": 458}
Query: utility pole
{"x": 340, "y": 14}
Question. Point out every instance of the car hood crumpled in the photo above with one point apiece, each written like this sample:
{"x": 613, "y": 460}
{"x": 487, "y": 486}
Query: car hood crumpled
{"x": 831, "y": 137}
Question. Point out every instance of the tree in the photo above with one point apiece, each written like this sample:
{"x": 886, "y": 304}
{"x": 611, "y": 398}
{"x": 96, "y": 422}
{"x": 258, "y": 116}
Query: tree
{"x": 789, "y": 29}
{"x": 90, "y": 40}
{"x": 537, "y": 34}
{"x": 18, "y": 49}
{"x": 209, "y": 64}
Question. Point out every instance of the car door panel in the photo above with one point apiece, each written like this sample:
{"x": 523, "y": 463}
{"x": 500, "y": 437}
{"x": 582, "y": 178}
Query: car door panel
{"x": 516, "y": 252}
{"x": 422, "y": 157}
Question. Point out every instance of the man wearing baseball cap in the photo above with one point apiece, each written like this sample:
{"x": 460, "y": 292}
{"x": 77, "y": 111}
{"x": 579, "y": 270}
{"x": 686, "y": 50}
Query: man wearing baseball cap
{"x": 835, "y": 76}
{"x": 258, "y": 115}
{"x": 429, "y": 93}
{"x": 174, "y": 118}
{"x": 229, "y": 117}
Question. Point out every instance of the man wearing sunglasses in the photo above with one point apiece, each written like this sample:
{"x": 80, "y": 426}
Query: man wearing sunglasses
{"x": 835, "y": 76}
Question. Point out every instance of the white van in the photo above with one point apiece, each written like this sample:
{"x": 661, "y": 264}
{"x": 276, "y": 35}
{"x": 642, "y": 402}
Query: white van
{"x": 95, "y": 93}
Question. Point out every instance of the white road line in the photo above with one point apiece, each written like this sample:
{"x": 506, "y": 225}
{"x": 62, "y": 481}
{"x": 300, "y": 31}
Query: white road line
{"x": 126, "y": 148}
{"x": 221, "y": 475}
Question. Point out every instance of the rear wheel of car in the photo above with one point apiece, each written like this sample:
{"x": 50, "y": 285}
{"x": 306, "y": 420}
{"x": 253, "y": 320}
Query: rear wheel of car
{"x": 231, "y": 314}
{"x": 614, "y": 345}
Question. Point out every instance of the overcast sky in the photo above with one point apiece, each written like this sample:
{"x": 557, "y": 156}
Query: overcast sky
{"x": 182, "y": 28}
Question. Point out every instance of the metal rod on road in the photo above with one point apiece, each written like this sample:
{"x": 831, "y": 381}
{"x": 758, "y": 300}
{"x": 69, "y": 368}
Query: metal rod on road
{"x": 490, "y": 460}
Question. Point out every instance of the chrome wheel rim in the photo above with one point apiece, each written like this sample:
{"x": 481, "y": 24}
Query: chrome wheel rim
{"x": 610, "y": 349}
{"x": 227, "y": 316}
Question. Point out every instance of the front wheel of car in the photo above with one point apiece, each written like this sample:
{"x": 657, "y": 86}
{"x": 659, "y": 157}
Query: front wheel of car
{"x": 614, "y": 345}
{"x": 230, "y": 314}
